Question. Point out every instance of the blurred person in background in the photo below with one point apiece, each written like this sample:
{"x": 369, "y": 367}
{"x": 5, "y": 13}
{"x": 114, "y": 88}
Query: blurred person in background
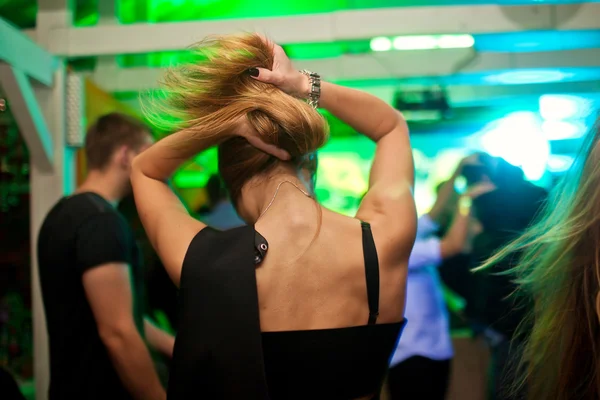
{"x": 503, "y": 215}
{"x": 92, "y": 281}
{"x": 420, "y": 366}
{"x": 219, "y": 212}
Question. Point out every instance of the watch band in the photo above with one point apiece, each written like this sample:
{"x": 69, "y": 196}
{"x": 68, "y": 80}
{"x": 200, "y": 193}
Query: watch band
{"x": 315, "y": 88}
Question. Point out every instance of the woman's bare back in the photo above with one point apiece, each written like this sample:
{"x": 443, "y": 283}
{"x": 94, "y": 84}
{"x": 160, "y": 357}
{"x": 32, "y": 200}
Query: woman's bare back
{"x": 325, "y": 287}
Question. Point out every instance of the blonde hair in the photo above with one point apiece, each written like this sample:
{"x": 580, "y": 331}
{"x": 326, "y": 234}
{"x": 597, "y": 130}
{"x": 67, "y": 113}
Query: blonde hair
{"x": 559, "y": 269}
{"x": 207, "y": 97}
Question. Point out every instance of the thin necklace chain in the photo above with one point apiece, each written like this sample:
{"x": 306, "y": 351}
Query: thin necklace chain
{"x": 277, "y": 191}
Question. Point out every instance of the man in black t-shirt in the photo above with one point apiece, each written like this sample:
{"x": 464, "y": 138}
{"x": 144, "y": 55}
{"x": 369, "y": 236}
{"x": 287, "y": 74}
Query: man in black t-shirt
{"x": 92, "y": 285}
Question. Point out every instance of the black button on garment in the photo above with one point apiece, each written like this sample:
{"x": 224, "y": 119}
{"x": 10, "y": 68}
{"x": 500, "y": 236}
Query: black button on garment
{"x": 260, "y": 248}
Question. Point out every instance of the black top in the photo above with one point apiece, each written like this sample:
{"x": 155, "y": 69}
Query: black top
{"x": 220, "y": 352}
{"x": 82, "y": 232}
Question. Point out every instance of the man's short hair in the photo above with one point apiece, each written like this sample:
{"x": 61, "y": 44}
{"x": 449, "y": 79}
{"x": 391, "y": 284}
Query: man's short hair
{"x": 109, "y": 133}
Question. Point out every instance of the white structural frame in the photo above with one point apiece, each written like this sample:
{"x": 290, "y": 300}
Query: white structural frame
{"x": 381, "y": 66}
{"x": 34, "y": 82}
{"x": 37, "y": 62}
{"x": 110, "y": 39}
{"x": 327, "y": 27}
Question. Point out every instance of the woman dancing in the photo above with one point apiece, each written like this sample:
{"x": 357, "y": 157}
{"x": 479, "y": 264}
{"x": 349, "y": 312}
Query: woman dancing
{"x": 559, "y": 270}
{"x": 304, "y": 302}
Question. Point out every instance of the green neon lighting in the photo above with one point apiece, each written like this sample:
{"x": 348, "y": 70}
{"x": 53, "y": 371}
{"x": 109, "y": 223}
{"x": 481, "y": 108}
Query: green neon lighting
{"x": 196, "y": 174}
{"x": 190, "y": 179}
{"x": 134, "y": 11}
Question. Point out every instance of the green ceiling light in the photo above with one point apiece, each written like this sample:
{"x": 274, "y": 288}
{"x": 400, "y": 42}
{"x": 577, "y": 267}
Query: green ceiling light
{"x": 429, "y": 42}
{"x": 381, "y": 44}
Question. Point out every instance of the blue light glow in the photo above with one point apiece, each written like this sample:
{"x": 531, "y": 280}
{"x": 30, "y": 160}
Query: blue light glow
{"x": 560, "y": 163}
{"x": 528, "y": 76}
{"x": 531, "y": 41}
{"x": 518, "y": 139}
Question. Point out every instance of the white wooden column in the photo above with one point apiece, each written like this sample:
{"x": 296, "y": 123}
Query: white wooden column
{"x": 48, "y": 185}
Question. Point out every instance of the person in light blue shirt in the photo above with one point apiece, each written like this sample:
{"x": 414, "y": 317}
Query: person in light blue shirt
{"x": 420, "y": 366}
{"x": 220, "y": 213}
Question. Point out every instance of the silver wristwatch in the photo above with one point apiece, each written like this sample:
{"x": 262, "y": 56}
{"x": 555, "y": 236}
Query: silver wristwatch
{"x": 315, "y": 88}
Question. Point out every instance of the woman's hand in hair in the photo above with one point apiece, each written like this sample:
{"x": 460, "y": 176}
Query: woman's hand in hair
{"x": 283, "y": 75}
{"x": 245, "y": 130}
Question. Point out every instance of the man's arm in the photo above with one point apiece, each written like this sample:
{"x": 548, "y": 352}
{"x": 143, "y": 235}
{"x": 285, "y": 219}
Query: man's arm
{"x": 432, "y": 251}
{"x": 158, "y": 339}
{"x": 108, "y": 290}
{"x": 104, "y": 255}
{"x": 455, "y": 240}
{"x": 447, "y": 190}
{"x": 444, "y": 195}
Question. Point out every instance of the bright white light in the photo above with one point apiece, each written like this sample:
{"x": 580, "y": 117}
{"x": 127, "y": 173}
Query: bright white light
{"x": 561, "y": 130}
{"x": 414, "y": 42}
{"x": 455, "y": 41}
{"x": 519, "y": 140}
{"x": 428, "y": 42}
{"x": 381, "y": 44}
{"x": 560, "y": 107}
{"x": 560, "y": 163}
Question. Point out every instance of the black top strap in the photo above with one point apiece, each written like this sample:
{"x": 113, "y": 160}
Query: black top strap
{"x": 371, "y": 271}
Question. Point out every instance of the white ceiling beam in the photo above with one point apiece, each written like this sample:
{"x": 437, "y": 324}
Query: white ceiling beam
{"x": 18, "y": 50}
{"x": 28, "y": 114}
{"x": 327, "y": 27}
{"x": 384, "y": 65}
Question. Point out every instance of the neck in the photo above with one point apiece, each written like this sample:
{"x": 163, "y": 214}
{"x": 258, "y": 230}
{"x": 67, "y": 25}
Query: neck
{"x": 274, "y": 195}
{"x": 106, "y": 184}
